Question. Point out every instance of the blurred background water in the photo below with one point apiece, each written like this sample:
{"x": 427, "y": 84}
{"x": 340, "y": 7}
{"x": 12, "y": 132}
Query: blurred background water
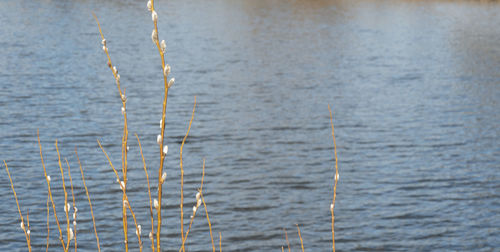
{"x": 414, "y": 85}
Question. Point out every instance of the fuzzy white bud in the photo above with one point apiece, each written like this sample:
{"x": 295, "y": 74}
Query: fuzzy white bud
{"x": 123, "y": 111}
{"x": 74, "y": 216}
{"x": 151, "y": 235}
{"x": 165, "y": 149}
{"x": 198, "y": 203}
{"x": 158, "y": 139}
{"x": 161, "y": 123}
{"x": 150, "y": 6}
{"x": 198, "y": 194}
{"x": 138, "y": 231}
{"x": 71, "y": 235}
{"x": 163, "y": 46}
{"x": 331, "y": 207}
{"x": 124, "y": 98}
{"x": 154, "y": 16}
{"x": 104, "y": 48}
{"x": 28, "y": 232}
{"x": 48, "y": 178}
{"x": 115, "y": 70}
{"x": 118, "y": 77}
{"x": 337, "y": 176}
{"x": 194, "y": 209}
{"x": 171, "y": 82}
{"x": 122, "y": 185}
{"x": 166, "y": 70}
{"x": 103, "y": 42}
{"x": 74, "y": 223}
{"x": 155, "y": 204}
{"x": 67, "y": 207}
{"x": 22, "y": 225}
{"x": 163, "y": 177}
{"x": 127, "y": 148}
{"x": 125, "y": 203}
{"x": 154, "y": 36}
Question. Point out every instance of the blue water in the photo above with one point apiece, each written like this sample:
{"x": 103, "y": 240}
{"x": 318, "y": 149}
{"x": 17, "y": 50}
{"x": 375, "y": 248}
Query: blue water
{"x": 415, "y": 89}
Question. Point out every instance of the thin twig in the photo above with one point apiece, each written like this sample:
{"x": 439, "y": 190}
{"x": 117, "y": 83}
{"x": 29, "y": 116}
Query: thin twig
{"x": 18, "y": 207}
{"x": 194, "y": 212}
{"x": 208, "y": 219}
{"x": 286, "y": 237}
{"x": 149, "y": 194}
{"x": 332, "y": 206}
{"x": 47, "y": 178}
{"x": 48, "y": 229}
{"x": 220, "y": 242}
{"x": 125, "y": 131}
{"x": 90, "y": 203}
{"x": 182, "y": 170}
{"x": 300, "y": 236}
{"x": 66, "y": 208}
{"x": 74, "y": 205}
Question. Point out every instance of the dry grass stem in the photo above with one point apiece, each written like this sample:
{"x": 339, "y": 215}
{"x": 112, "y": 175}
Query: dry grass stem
{"x": 332, "y": 206}
{"x": 195, "y": 208}
{"x": 125, "y": 130}
{"x": 300, "y": 237}
{"x": 75, "y": 210}
{"x": 182, "y": 170}
{"x": 47, "y": 178}
{"x": 149, "y": 194}
{"x": 88, "y": 198}
{"x": 18, "y": 208}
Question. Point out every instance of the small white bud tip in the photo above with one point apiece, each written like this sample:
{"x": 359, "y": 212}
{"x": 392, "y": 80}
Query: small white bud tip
{"x": 104, "y": 48}
{"x": 166, "y": 70}
{"x": 165, "y": 149}
{"x": 74, "y": 223}
{"x": 154, "y": 36}
{"x": 67, "y": 207}
{"x": 150, "y": 6}
{"x": 75, "y": 209}
{"x": 198, "y": 196}
{"x": 127, "y": 148}
{"x": 71, "y": 235}
{"x": 123, "y": 111}
{"x": 118, "y": 77}
{"x": 138, "y": 231}
{"x": 155, "y": 203}
{"x": 115, "y": 70}
{"x": 151, "y": 235}
{"x": 198, "y": 203}
{"x": 337, "y": 176}
{"x": 163, "y": 176}
{"x": 331, "y": 207}
{"x": 158, "y": 139}
{"x": 48, "y": 178}
{"x": 28, "y": 232}
{"x": 163, "y": 46}
{"x": 22, "y": 225}
{"x": 103, "y": 42}
{"x": 171, "y": 82}
{"x": 125, "y": 203}
{"x": 154, "y": 16}
{"x": 122, "y": 185}
{"x": 194, "y": 209}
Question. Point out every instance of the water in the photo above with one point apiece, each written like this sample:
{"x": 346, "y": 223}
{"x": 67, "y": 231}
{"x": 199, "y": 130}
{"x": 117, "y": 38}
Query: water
{"x": 414, "y": 86}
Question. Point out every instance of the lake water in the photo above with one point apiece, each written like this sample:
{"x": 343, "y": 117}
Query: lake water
{"x": 414, "y": 85}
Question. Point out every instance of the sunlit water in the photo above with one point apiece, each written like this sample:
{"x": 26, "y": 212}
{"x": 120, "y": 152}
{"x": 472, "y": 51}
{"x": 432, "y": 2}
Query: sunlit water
{"x": 414, "y": 85}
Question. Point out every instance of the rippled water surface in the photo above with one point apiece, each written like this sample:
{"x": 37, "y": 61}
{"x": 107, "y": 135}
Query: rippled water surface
{"x": 414, "y": 85}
